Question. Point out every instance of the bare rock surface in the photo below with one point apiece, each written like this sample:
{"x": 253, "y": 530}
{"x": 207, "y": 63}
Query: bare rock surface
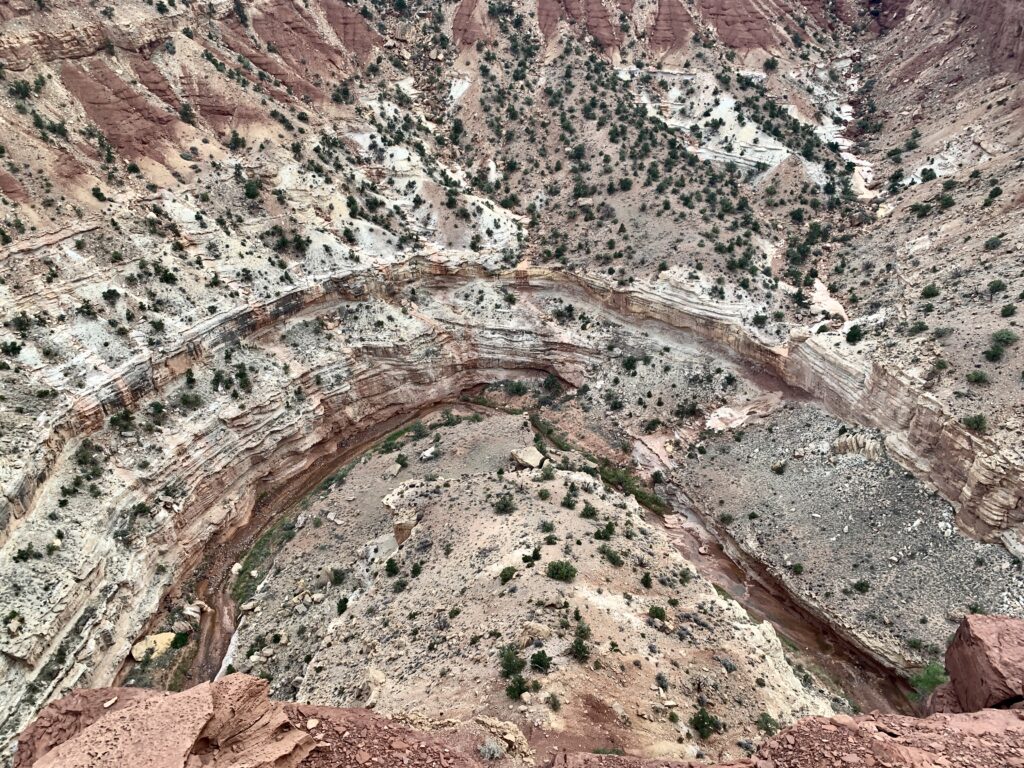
{"x": 985, "y": 662}
{"x": 231, "y": 724}
{"x": 227, "y": 723}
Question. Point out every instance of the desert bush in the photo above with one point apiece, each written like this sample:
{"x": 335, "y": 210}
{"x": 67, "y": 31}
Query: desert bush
{"x": 561, "y": 570}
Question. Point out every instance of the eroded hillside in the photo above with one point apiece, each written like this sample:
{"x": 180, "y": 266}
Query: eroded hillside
{"x": 243, "y": 242}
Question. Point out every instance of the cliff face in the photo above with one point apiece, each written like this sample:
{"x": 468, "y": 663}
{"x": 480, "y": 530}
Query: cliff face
{"x": 222, "y": 462}
{"x": 157, "y": 159}
{"x": 214, "y": 468}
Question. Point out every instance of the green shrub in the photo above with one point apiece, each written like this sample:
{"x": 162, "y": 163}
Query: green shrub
{"x": 516, "y": 687}
{"x": 506, "y": 574}
{"x": 180, "y": 640}
{"x": 510, "y": 660}
{"x": 561, "y": 570}
{"x": 579, "y": 650}
{"x": 1004, "y": 338}
{"x": 505, "y": 505}
{"x": 975, "y": 423}
{"x": 767, "y": 724}
{"x": 657, "y": 612}
{"x": 540, "y": 661}
{"x": 611, "y": 555}
{"x": 928, "y": 679}
{"x": 930, "y": 291}
{"x": 704, "y": 723}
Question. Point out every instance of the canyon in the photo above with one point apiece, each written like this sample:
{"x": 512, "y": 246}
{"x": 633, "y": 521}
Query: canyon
{"x": 736, "y": 275}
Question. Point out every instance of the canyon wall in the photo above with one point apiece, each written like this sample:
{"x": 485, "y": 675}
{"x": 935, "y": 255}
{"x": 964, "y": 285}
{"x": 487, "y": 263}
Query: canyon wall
{"x": 224, "y": 461}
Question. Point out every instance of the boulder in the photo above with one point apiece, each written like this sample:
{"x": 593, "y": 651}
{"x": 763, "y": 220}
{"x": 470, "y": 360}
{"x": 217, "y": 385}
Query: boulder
{"x": 985, "y": 662}
{"x": 528, "y": 457}
{"x": 152, "y": 645}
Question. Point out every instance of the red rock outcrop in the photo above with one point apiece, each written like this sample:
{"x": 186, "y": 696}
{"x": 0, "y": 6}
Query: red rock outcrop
{"x": 592, "y": 14}
{"x": 126, "y": 117}
{"x": 66, "y": 718}
{"x": 985, "y": 662}
{"x": 11, "y": 188}
{"x": 468, "y": 24}
{"x": 232, "y": 723}
{"x": 353, "y": 31}
{"x": 153, "y": 79}
{"x": 765, "y": 24}
{"x": 673, "y": 26}
{"x": 292, "y": 35}
{"x": 228, "y": 723}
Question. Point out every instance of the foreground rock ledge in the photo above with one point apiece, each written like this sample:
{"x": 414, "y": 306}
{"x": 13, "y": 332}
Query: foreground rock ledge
{"x": 233, "y": 724}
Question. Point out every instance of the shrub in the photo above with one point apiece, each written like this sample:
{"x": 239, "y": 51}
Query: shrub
{"x": 540, "y": 661}
{"x": 611, "y": 555}
{"x": 180, "y": 640}
{"x": 515, "y": 388}
{"x": 516, "y": 687}
{"x": 975, "y": 423}
{"x": 505, "y": 505}
{"x": 994, "y": 353}
{"x": 993, "y": 243}
{"x": 1004, "y": 338}
{"x": 861, "y": 586}
{"x": 1008, "y": 310}
{"x": 491, "y": 750}
{"x": 767, "y": 724}
{"x": 391, "y": 567}
{"x": 579, "y": 650}
{"x": 122, "y": 420}
{"x": 510, "y": 660}
{"x": 561, "y": 570}
{"x": 704, "y": 723}
{"x": 928, "y": 679}
{"x": 657, "y": 612}
{"x": 977, "y": 377}
{"x": 342, "y": 605}
{"x": 930, "y": 291}
{"x": 854, "y": 335}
